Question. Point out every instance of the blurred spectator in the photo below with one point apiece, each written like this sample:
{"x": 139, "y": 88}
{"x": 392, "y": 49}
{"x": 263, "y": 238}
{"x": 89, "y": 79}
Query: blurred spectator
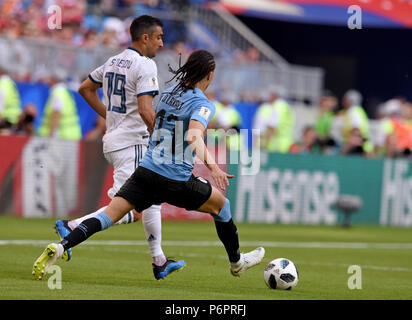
{"x": 250, "y": 55}
{"x": 251, "y": 97}
{"x": 114, "y": 34}
{"x": 324, "y": 120}
{"x": 354, "y": 143}
{"x": 406, "y": 111}
{"x": 398, "y": 139}
{"x": 230, "y": 120}
{"x": 228, "y": 117}
{"x": 25, "y": 125}
{"x": 9, "y": 101}
{"x": 91, "y": 39}
{"x": 276, "y": 121}
{"x": 262, "y": 117}
{"x": 213, "y": 124}
{"x": 73, "y": 10}
{"x": 60, "y": 117}
{"x": 384, "y": 142}
{"x": 181, "y": 48}
{"x": 145, "y": 6}
{"x": 355, "y": 118}
{"x": 211, "y": 95}
{"x": 98, "y": 131}
{"x": 309, "y": 142}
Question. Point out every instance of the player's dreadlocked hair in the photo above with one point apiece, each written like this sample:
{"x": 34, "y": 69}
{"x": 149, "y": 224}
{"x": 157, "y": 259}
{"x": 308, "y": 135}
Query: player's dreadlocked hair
{"x": 197, "y": 66}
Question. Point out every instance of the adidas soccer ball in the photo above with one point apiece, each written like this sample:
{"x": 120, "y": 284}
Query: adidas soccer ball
{"x": 281, "y": 273}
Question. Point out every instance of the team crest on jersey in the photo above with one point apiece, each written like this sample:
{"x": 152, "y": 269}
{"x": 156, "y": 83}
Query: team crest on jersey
{"x": 153, "y": 82}
{"x": 204, "y": 112}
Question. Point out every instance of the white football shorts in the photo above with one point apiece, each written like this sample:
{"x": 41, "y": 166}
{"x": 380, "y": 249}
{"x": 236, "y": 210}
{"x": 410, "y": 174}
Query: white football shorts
{"x": 124, "y": 162}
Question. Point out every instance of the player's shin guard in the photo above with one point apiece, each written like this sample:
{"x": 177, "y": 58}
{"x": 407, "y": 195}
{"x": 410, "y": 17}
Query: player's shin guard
{"x": 86, "y": 229}
{"x": 227, "y": 232}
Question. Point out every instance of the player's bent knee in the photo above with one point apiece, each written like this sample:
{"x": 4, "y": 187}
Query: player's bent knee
{"x": 224, "y": 215}
{"x": 117, "y": 208}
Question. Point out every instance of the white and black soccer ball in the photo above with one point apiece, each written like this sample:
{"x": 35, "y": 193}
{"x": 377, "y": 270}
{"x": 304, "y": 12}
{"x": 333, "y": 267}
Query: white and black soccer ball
{"x": 281, "y": 273}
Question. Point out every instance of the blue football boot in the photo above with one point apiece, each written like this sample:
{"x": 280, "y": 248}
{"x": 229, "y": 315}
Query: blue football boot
{"x": 170, "y": 266}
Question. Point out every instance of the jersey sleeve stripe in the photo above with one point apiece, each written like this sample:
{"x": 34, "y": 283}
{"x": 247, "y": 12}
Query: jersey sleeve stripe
{"x": 91, "y": 78}
{"x": 152, "y": 93}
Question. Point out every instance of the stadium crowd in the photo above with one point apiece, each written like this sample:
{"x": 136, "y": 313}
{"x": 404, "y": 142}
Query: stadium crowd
{"x": 91, "y": 24}
{"x": 82, "y": 27}
{"x": 340, "y": 127}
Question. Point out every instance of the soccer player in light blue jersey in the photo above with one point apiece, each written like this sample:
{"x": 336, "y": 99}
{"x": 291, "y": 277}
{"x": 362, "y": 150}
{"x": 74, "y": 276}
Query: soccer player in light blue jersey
{"x": 165, "y": 173}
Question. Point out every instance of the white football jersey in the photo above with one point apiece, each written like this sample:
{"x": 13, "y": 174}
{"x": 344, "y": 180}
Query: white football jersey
{"x": 124, "y": 77}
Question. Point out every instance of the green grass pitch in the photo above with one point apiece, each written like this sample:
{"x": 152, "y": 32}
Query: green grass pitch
{"x": 105, "y": 269}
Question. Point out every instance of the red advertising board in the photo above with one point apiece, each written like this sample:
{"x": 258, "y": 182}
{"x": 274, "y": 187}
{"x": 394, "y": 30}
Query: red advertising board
{"x": 42, "y": 177}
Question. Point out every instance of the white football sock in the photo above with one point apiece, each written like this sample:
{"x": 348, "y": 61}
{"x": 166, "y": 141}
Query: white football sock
{"x": 81, "y": 219}
{"x": 127, "y": 218}
{"x": 152, "y": 223}
{"x": 159, "y": 260}
{"x": 60, "y": 250}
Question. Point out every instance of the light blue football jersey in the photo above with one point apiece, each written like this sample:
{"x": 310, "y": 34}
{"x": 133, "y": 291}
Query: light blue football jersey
{"x": 169, "y": 154}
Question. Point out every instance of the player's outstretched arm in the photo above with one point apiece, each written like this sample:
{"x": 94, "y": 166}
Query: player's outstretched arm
{"x": 88, "y": 90}
{"x": 196, "y": 141}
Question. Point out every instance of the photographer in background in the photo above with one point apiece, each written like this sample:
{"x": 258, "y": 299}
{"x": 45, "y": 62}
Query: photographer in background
{"x": 9, "y": 103}
{"x": 25, "y": 125}
{"x": 355, "y": 125}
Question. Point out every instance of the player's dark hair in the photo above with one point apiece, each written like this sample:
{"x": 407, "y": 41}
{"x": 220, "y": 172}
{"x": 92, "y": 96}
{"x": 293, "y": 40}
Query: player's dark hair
{"x": 143, "y": 24}
{"x": 197, "y": 66}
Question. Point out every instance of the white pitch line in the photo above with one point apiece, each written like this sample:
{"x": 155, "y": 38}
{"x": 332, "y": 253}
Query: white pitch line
{"x": 343, "y": 265}
{"x": 340, "y": 245}
{"x": 269, "y": 244}
{"x": 298, "y": 262}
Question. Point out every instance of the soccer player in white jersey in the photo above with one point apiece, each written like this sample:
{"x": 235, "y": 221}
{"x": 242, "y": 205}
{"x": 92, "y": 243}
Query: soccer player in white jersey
{"x": 129, "y": 83}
